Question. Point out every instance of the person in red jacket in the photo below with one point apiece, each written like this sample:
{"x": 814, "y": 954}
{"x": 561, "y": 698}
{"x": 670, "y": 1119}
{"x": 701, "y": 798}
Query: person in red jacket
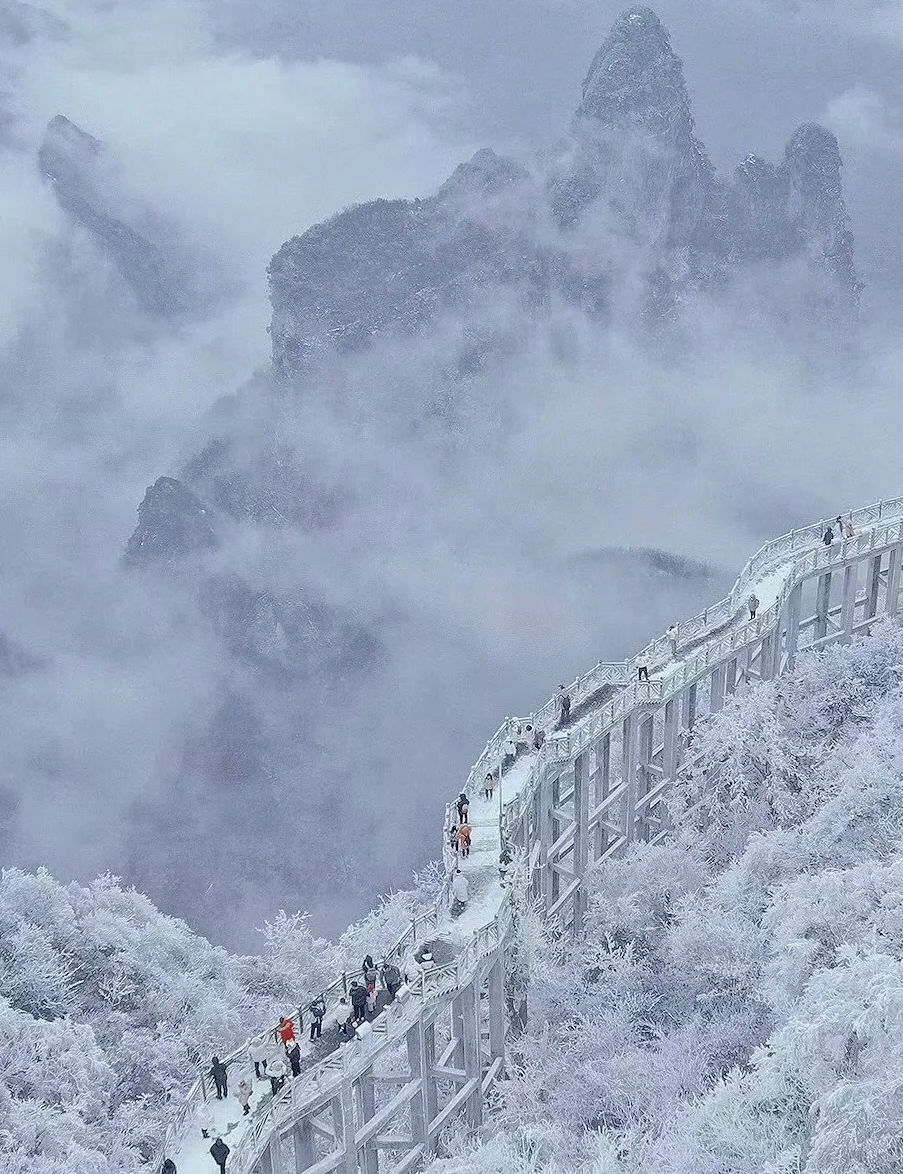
{"x": 464, "y": 833}
{"x": 286, "y": 1031}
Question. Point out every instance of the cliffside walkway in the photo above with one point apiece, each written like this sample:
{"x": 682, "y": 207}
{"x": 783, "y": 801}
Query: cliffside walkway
{"x": 379, "y": 1103}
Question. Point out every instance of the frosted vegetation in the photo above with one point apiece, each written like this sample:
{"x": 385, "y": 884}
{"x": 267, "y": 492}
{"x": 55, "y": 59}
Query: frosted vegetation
{"x": 735, "y": 1005}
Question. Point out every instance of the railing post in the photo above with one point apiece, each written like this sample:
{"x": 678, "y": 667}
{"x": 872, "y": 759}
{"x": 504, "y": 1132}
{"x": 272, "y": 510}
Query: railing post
{"x": 892, "y": 591}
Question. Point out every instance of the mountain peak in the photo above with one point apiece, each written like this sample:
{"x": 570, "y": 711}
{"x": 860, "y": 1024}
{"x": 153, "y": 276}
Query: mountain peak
{"x": 172, "y": 522}
{"x": 636, "y": 79}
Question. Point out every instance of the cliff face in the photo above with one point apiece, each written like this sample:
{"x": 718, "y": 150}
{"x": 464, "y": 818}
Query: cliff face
{"x": 159, "y": 273}
{"x": 630, "y": 175}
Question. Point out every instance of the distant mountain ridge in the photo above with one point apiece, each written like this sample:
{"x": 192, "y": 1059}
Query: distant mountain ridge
{"x": 630, "y": 168}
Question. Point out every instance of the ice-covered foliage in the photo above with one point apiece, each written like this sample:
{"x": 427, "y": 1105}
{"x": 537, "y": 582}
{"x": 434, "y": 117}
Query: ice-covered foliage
{"x": 735, "y": 1006}
{"x": 107, "y": 1007}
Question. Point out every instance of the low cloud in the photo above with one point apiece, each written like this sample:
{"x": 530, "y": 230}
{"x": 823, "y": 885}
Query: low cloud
{"x": 864, "y": 121}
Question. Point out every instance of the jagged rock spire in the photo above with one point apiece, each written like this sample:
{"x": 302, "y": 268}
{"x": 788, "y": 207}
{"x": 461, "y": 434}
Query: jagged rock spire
{"x": 633, "y": 134}
{"x": 636, "y": 81}
{"x": 172, "y": 522}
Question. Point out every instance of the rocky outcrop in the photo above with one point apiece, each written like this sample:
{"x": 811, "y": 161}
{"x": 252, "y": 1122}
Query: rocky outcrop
{"x": 172, "y": 523}
{"x": 630, "y": 187}
{"x": 21, "y": 23}
{"x": 74, "y": 163}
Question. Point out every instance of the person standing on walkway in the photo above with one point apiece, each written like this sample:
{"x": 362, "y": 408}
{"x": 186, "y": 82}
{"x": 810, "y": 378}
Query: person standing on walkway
{"x": 465, "y": 831}
{"x": 642, "y": 672}
{"x": 371, "y": 974}
{"x": 538, "y": 738}
{"x": 488, "y": 785}
{"x": 463, "y": 806}
{"x": 672, "y": 639}
{"x": 219, "y": 1151}
{"x": 286, "y": 1031}
{"x": 243, "y": 1096}
{"x": 317, "y": 1013}
{"x": 257, "y": 1053}
{"x": 391, "y": 977}
{"x": 220, "y": 1077}
{"x": 509, "y": 753}
{"x": 168, "y": 1167}
{"x": 358, "y": 995}
{"x": 828, "y": 536}
{"x": 293, "y": 1055}
{"x": 753, "y": 604}
{"x": 460, "y": 892}
{"x": 277, "y": 1072}
{"x": 848, "y": 530}
{"x": 563, "y": 706}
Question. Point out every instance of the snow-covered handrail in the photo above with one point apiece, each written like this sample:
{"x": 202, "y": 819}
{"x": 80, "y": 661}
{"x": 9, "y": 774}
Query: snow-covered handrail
{"x": 718, "y": 631}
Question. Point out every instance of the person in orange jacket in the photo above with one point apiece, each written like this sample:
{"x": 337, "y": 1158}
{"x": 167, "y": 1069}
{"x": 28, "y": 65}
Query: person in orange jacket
{"x": 464, "y": 833}
{"x": 286, "y": 1031}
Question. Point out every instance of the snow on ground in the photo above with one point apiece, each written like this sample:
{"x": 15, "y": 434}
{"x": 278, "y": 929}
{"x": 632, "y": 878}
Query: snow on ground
{"x": 481, "y": 868}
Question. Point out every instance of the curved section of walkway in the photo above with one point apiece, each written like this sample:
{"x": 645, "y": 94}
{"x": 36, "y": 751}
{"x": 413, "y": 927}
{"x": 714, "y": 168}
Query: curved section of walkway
{"x": 530, "y": 806}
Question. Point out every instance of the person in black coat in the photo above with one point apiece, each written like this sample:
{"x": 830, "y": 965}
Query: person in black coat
{"x": 220, "y": 1077}
{"x": 391, "y": 980}
{"x": 358, "y": 995}
{"x": 219, "y": 1151}
{"x": 317, "y": 1012}
{"x": 293, "y": 1055}
{"x": 828, "y": 536}
{"x": 168, "y": 1167}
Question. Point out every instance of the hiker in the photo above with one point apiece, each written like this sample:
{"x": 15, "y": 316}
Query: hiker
{"x": 366, "y": 965}
{"x": 168, "y": 1167}
{"x": 509, "y": 752}
{"x": 488, "y": 785}
{"x": 465, "y": 831}
{"x": 286, "y": 1031}
{"x": 642, "y": 672}
{"x": 371, "y": 974}
{"x": 348, "y": 1030}
{"x": 538, "y": 738}
{"x": 277, "y": 1072}
{"x": 460, "y": 887}
{"x": 293, "y": 1055}
{"x": 563, "y": 705}
{"x": 838, "y": 522}
{"x": 672, "y": 639}
{"x": 220, "y": 1077}
{"x": 463, "y": 806}
{"x": 828, "y": 536}
{"x": 219, "y": 1151}
{"x": 453, "y": 837}
{"x": 753, "y": 604}
{"x": 848, "y": 531}
{"x": 243, "y": 1096}
{"x": 257, "y": 1053}
{"x": 504, "y": 860}
{"x": 526, "y": 738}
{"x": 358, "y": 995}
{"x": 391, "y": 977}
{"x": 317, "y": 1012}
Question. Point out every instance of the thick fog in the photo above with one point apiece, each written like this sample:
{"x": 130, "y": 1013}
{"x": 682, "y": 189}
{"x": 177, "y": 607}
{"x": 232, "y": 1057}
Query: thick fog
{"x": 486, "y": 548}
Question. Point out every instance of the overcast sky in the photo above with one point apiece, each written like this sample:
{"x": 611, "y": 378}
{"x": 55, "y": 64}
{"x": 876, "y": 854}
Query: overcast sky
{"x": 243, "y": 122}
